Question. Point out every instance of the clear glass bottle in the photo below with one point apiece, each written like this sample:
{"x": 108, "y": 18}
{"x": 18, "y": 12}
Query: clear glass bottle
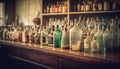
{"x": 97, "y": 44}
{"x": 108, "y": 39}
{"x": 4, "y": 33}
{"x": 57, "y": 36}
{"x": 31, "y": 35}
{"x": 48, "y": 8}
{"x": 114, "y": 32}
{"x": 87, "y": 43}
{"x": 15, "y": 35}
{"x": 75, "y": 35}
{"x": 65, "y": 38}
{"x": 36, "y": 37}
{"x": 50, "y": 36}
{"x": 44, "y": 36}
{"x": 24, "y": 34}
{"x": 79, "y": 6}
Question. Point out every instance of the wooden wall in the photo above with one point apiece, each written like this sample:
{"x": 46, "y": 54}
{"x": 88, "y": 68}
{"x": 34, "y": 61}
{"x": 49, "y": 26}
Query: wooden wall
{"x": 10, "y": 10}
{"x": 27, "y": 10}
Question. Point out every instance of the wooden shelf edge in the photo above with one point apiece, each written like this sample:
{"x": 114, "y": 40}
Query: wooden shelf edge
{"x": 45, "y": 14}
{"x": 93, "y": 12}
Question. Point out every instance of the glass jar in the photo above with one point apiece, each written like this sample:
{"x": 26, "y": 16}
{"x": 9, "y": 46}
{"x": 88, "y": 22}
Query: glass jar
{"x": 75, "y": 35}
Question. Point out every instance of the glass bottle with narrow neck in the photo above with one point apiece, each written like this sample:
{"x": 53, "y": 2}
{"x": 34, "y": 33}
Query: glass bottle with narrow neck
{"x": 50, "y": 35}
{"x": 106, "y": 5}
{"x": 57, "y": 35}
{"x": 87, "y": 43}
{"x": 44, "y": 36}
{"x": 100, "y": 6}
{"x": 65, "y": 38}
{"x": 36, "y": 37}
{"x": 24, "y": 34}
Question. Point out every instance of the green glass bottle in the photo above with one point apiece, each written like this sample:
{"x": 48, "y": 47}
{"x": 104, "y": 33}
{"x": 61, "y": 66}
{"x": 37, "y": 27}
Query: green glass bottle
{"x": 57, "y": 35}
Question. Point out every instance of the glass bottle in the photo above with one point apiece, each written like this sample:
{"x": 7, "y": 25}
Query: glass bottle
{"x": 44, "y": 36}
{"x": 64, "y": 7}
{"x": 60, "y": 8}
{"x": 20, "y": 34}
{"x": 114, "y": 4}
{"x": 87, "y": 43}
{"x": 24, "y": 35}
{"x": 95, "y": 43}
{"x": 51, "y": 8}
{"x": 39, "y": 33}
{"x": 48, "y": 8}
{"x": 82, "y": 6}
{"x": 94, "y": 5}
{"x": 114, "y": 32}
{"x": 100, "y": 6}
{"x": 79, "y": 6}
{"x": 87, "y": 6}
{"x": 75, "y": 35}
{"x": 1, "y": 32}
{"x": 108, "y": 39}
{"x": 15, "y": 35}
{"x": 50, "y": 36}
{"x": 106, "y": 5}
{"x": 65, "y": 38}
{"x": 31, "y": 35}
{"x": 4, "y": 33}
{"x": 36, "y": 37}
{"x": 57, "y": 36}
{"x": 10, "y": 34}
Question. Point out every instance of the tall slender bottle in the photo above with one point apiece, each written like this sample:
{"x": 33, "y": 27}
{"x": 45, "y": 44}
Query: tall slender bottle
{"x": 44, "y": 36}
{"x": 50, "y": 36}
{"x": 65, "y": 38}
{"x": 87, "y": 43}
{"x": 57, "y": 36}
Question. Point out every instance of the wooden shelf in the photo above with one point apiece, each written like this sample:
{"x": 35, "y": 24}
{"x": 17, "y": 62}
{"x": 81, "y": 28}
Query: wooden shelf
{"x": 50, "y": 14}
{"x": 95, "y": 12}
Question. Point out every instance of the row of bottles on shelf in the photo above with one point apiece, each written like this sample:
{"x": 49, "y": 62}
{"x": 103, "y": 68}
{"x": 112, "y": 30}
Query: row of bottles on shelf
{"x": 91, "y": 35}
{"x": 95, "y": 5}
{"x": 81, "y": 6}
{"x": 58, "y": 7}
